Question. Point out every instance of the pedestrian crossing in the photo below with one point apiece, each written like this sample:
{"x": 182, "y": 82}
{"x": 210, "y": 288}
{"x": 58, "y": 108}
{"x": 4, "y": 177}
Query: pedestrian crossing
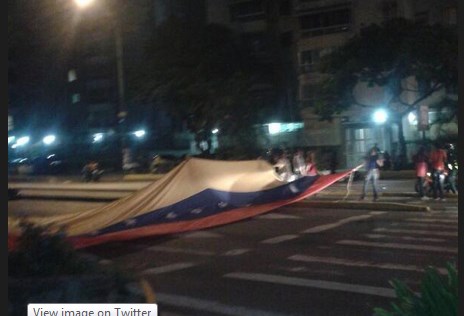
{"x": 358, "y": 262}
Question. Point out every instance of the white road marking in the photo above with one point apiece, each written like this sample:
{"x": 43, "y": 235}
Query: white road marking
{"x": 377, "y": 212}
{"x": 278, "y": 216}
{"x": 202, "y": 234}
{"x": 278, "y": 239}
{"x": 179, "y": 250}
{"x": 377, "y": 236}
{"x": 321, "y": 228}
{"x": 236, "y": 252}
{"x": 397, "y": 246}
{"x": 207, "y": 306}
{"x": 433, "y": 220}
{"x": 359, "y": 263}
{"x": 441, "y": 226}
{"x": 416, "y": 232}
{"x": 318, "y": 284}
{"x": 168, "y": 268}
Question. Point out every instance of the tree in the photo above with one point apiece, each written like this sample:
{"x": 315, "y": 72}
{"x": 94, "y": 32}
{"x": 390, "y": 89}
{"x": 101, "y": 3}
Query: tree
{"x": 200, "y": 74}
{"x": 410, "y": 62}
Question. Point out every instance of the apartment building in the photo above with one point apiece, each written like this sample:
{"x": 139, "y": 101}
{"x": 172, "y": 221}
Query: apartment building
{"x": 294, "y": 35}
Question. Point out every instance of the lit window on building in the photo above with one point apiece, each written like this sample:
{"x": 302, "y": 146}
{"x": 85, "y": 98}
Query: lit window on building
{"x": 72, "y": 76}
{"x": 76, "y": 97}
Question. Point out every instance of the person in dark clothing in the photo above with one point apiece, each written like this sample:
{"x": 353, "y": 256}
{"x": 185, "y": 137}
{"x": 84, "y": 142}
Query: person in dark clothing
{"x": 372, "y": 163}
{"x": 438, "y": 157}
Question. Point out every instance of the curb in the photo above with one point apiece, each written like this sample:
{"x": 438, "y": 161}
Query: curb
{"x": 383, "y": 206}
{"x": 142, "y": 177}
{"x": 405, "y": 194}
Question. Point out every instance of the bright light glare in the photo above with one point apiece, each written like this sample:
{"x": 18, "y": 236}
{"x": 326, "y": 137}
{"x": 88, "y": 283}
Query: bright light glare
{"x": 49, "y": 139}
{"x": 11, "y": 139}
{"x": 83, "y": 3}
{"x": 380, "y": 116}
{"x": 98, "y": 137}
{"x": 412, "y": 118}
{"x": 274, "y": 128}
{"x": 215, "y": 131}
{"x": 139, "y": 133}
{"x": 22, "y": 141}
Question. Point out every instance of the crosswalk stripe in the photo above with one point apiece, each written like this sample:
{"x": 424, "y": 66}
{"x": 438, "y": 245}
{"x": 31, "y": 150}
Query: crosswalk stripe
{"x": 359, "y": 263}
{"x": 168, "y": 268}
{"x": 397, "y": 246}
{"x": 321, "y": 228}
{"x": 278, "y": 216}
{"x": 207, "y": 306}
{"x": 278, "y": 239}
{"x": 318, "y": 284}
{"x": 181, "y": 250}
{"x": 416, "y": 232}
{"x": 377, "y": 236}
{"x": 433, "y": 220}
{"x": 428, "y": 225}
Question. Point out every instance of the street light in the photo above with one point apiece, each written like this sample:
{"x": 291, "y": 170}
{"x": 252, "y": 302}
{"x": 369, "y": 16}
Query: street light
{"x": 122, "y": 111}
{"x": 380, "y": 116}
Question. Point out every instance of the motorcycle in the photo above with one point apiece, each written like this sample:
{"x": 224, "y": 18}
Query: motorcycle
{"x": 91, "y": 172}
{"x": 449, "y": 179}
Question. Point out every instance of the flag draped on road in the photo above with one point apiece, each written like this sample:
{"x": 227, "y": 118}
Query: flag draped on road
{"x": 197, "y": 194}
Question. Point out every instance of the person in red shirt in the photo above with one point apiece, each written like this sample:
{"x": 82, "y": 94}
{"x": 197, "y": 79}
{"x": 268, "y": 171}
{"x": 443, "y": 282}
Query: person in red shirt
{"x": 421, "y": 160}
{"x": 438, "y": 158}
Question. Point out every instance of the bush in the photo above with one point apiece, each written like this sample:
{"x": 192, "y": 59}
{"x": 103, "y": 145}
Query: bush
{"x": 438, "y": 296}
{"x": 44, "y": 268}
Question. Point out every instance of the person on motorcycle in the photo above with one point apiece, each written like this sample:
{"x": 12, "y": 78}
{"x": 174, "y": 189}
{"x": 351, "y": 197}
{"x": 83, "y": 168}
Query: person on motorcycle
{"x": 421, "y": 160}
{"x": 438, "y": 158}
{"x": 91, "y": 172}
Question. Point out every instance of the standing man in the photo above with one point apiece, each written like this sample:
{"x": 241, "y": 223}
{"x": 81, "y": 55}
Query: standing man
{"x": 438, "y": 157}
{"x": 372, "y": 164}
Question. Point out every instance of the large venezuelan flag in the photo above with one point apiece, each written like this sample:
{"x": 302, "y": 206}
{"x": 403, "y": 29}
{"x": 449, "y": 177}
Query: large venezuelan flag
{"x": 197, "y": 194}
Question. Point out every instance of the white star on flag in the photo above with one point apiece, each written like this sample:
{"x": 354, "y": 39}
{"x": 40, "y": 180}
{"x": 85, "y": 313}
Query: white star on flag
{"x": 171, "y": 215}
{"x": 130, "y": 222}
{"x": 222, "y": 204}
{"x": 196, "y": 211}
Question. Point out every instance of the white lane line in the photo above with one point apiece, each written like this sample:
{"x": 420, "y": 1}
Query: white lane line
{"x": 416, "y": 232}
{"x": 235, "y": 252}
{"x": 168, "y": 268}
{"x": 318, "y": 284}
{"x": 433, "y": 220}
{"x": 321, "y": 228}
{"x": 207, "y": 306}
{"x": 360, "y": 263}
{"x": 377, "y": 236}
{"x": 201, "y": 234}
{"x": 177, "y": 250}
{"x": 278, "y": 216}
{"x": 278, "y": 239}
{"x": 377, "y": 212}
{"x": 429, "y": 225}
{"x": 397, "y": 246}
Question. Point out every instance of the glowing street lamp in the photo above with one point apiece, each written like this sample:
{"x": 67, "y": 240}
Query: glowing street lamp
{"x": 139, "y": 133}
{"x": 83, "y": 3}
{"x": 49, "y": 139}
{"x": 380, "y": 116}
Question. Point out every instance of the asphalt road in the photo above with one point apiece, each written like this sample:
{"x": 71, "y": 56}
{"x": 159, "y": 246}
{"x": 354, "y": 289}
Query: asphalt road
{"x": 297, "y": 260}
